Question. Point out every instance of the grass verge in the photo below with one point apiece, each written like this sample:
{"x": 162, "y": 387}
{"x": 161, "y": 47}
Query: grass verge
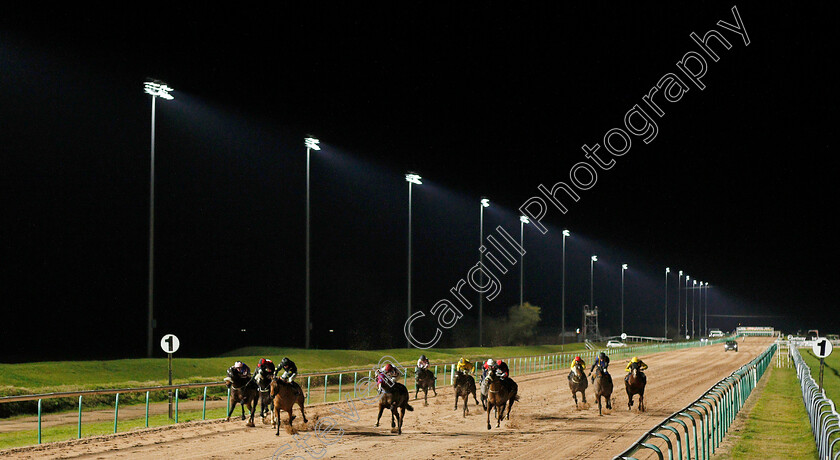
{"x": 777, "y": 425}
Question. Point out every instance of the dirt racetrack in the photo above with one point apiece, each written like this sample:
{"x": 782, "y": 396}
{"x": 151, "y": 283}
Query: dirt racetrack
{"x": 544, "y": 425}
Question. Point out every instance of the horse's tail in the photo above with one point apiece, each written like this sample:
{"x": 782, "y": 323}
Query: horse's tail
{"x": 516, "y": 398}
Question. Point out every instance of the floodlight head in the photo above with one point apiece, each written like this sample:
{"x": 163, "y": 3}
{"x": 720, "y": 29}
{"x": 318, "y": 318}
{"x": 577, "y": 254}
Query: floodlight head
{"x": 524, "y": 220}
{"x": 687, "y": 277}
{"x": 485, "y": 202}
{"x": 707, "y": 283}
{"x": 312, "y": 143}
{"x": 624, "y": 266}
{"x": 413, "y": 178}
{"x": 667, "y": 269}
{"x": 157, "y": 89}
{"x": 680, "y": 272}
{"x": 594, "y": 258}
{"x": 566, "y": 233}
{"x": 693, "y": 281}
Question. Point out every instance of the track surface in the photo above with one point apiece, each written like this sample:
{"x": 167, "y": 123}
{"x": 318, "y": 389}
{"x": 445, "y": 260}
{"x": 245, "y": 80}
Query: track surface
{"x": 544, "y": 424}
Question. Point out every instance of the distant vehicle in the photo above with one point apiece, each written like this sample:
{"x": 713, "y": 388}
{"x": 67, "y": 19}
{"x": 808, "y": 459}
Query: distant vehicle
{"x": 615, "y": 344}
{"x": 730, "y": 345}
{"x": 715, "y": 333}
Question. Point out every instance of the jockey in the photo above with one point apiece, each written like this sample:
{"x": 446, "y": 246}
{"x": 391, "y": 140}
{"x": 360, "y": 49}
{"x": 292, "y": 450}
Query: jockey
{"x": 289, "y": 370}
{"x": 265, "y": 369}
{"x": 502, "y": 369}
{"x": 603, "y": 361}
{"x": 639, "y": 363}
{"x": 387, "y": 372}
{"x": 239, "y": 370}
{"x": 422, "y": 363}
{"x": 464, "y": 366}
{"x": 577, "y": 360}
{"x": 487, "y": 366}
{"x": 642, "y": 366}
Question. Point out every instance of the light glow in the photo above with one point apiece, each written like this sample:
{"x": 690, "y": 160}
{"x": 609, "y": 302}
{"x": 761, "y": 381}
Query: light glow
{"x": 312, "y": 143}
{"x": 485, "y": 202}
{"x": 594, "y": 258}
{"x": 524, "y": 220}
{"x": 158, "y": 89}
{"x": 413, "y": 178}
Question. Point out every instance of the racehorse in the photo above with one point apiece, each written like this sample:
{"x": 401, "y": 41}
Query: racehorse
{"x": 578, "y": 382}
{"x": 425, "y": 381}
{"x": 635, "y": 384}
{"x": 263, "y": 379}
{"x": 603, "y": 386}
{"x": 394, "y": 397}
{"x": 501, "y": 393}
{"x": 284, "y": 395}
{"x": 464, "y": 386}
{"x": 244, "y": 390}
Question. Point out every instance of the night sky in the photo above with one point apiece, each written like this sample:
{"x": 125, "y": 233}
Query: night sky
{"x": 735, "y": 187}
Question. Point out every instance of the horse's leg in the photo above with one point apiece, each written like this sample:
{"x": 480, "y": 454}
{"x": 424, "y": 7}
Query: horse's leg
{"x": 500, "y": 414}
{"x": 381, "y": 408}
{"x": 574, "y": 395}
{"x": 242, "y": 406}
{"x": 642, "y": 400}
{"x": 232, "y": 406}
{"x": 394, "y": 415}
{"x": 629, "y": 399}
{"x": 466, "y": 400}
{"x": 300, "y": 404}
{"x": 489, "y": 404}
{"x": 252, "y": 408}
{"x": 433, "y": 387}
{"x": 416, "y": 390}
{"x": 456, "y": 400}
{"x": 276, "y": 415}
{"x": 402, "y": 417}
{"x": 291, "y": 414}
{"x": 510, "y": 406}
{"x": 583, "y": 392}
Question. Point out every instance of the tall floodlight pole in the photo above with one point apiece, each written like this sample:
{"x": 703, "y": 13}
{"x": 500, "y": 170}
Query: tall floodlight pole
{"x": 522, "y": 221}
{"x": 311, "y": 144}
{"x": 678, "y": 303}
{"x": 623, "y": 268}
{"x": 411, "y": 178}
{"x": 693, "y": 288}
{"x": 156, "y": 89}
{"x": 563, "y": 295}
{"x": 592, "y": 261}
{"x": 667, "y": 270}
{"x": 700, "y": 310}
{"x": 706, "y": 318}
{"x": 484, "y": 203}
{"x": 686, "y": 303}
